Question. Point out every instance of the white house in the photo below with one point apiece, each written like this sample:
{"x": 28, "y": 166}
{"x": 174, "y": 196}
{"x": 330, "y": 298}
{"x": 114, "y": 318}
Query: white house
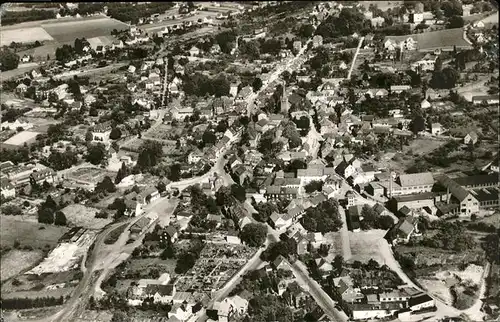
{"x": 7, "y": 189}
{"x": 425, "y": 104}
{"x": 194, "y": 51}
{"x": 101, "y": 133}
{"x": 437, "y": 129}
{"x": 194, "y": 157}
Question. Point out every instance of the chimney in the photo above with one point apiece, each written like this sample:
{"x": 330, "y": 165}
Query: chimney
{"x": 448, "y": 195}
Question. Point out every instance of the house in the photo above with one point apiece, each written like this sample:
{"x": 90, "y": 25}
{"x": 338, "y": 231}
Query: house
{"x": 353, "y": 221}
{"x": 244, "y": 93}
{"x": 351, "y": 198}
{"x": 170, "y": 233}
{"x": 42, "y": 175}
{"x": 281, "y": 263}
{"x": 160, "y": 293}
{"x": 195, "y": 156}
{"x": 101, "y": 132}
{"x": 149, "y": 195}
{"x": 138, "y": 227}
{"x": 231, "y": 307}
{"x": 7, "y": 189}
{"x": 471, "y": 137}
{"x": 19, "y": 123}
{"x": 420, "y": 302}
{"x": 280, "y": 221}
{"x": 425, "y": 104}
{"x": 402, "y": 232}
{"x": 485, "y": 99}
{"x": 194, "y": 51}
{"x": 324, "y": 266}
{"x": 317, "y": 41}
{"x": 411, "y": 184}
{"x": 21, "y": 88}
{"x": 458, "y": 199}
{"x": 399, "y": 88}
{"x": 436, "y": 129}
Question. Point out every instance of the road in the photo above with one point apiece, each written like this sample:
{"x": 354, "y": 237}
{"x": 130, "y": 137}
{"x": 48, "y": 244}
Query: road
{"x": 354, "y": 58}
{"x": 344, "y": 235}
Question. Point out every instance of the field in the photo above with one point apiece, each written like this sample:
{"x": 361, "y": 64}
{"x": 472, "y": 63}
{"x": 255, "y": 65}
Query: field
{"x": 22, "y": 137}
{"x": 95, "y": 316}
{"x": 437, "y": 39}
{"x": 24, "y": 35}
{"x": 82, "y": 216}
{"x": 492, "y": 220}
{"x": 115, "y": 234}
{"x": 364, "y": 245}
{"x": 29, "y": 233}
{"x": 16, "y": 261}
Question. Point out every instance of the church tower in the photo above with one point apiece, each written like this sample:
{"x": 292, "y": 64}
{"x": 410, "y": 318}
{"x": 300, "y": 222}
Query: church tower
{"x": 284, "y": 102}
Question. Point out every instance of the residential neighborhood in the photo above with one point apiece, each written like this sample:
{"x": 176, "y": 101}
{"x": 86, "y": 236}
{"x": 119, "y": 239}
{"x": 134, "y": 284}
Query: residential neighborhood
{"x": 284, "y": 161}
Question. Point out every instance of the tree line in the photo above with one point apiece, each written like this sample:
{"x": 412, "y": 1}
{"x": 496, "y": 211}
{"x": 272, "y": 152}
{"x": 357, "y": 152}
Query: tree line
{"x": 27, "y": 303}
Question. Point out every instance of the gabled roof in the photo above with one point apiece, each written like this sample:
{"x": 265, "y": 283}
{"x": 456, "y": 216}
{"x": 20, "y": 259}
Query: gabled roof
{"x": 416, "y": 179}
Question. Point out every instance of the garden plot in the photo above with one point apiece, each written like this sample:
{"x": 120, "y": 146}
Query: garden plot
{"x": 90, "y": 175}
{"x": 23, "y": 35}
{"x": 16, "y": 261}
{"x": 83, "y": 216}
{"x": 66, "y": 256}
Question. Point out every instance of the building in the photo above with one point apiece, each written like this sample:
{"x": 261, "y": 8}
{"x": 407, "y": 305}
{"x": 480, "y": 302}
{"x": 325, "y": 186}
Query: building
{"x": 420, "y": 302}
{"x": 458, "y": 199}
{"x": 485, "y": 99}
{"x": 436, "y": 129}
{"x": 471, "y": 138}
{"x": 7, "y": 189}
{"x": 407, "y": 184}
{"x": 43, "y": 175}
{"x": 413, "y": 201}
{"x": 402, "y": 232}
{"x": 101, "y": 133}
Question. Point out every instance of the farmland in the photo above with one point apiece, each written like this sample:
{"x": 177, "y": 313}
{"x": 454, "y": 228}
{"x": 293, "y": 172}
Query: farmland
{"x": 65, "y": 32}
{"x": 90, "y": 175}
{"x": 364, "y": 245}
{"x": 54, "y": 33}
{"x": 24, "y": 35}
{"x": 82, "y": 216}
{"x": 33, "y": 234}
{"x": 16, "y": 261}
{"x": 444, "y": 39}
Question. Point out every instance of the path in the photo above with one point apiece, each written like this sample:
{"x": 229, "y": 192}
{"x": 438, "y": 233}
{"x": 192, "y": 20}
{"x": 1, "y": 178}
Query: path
{"x": 354, "y": 58}
{"x": 344, "y": 235}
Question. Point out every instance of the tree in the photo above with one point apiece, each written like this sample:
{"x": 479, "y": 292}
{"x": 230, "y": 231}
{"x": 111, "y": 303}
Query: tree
{"x": 175, "y": 172}
{"x": 315, "y": 185}
{"x": 88, "y": 136}
{"x": 106, "y": 185}
{"x": 11, "y": 210}
{"x": 492, "y": 247}
{"x": 455, "y": 22}
{"x": 115, "y": 134}
{"x": 306, "y": 31}
{"x": 161, "y": 186}
{"x": 46, "y": 215}
{"x": 222, "y": 126}
{"x": 452, "y": 8}
{"x": 238, "y": 192}
{"x": 417, "y": 124}
{"x": 96, "y": 153}
{"x": 60, "y": 219}
{"x": 208, "y": 137}
{"x": 49, "y": 203}
{"x": 8, "y": 60}
{"x": 256, "y": 84}
{"x": 122, "y": 173}
{"x": 254, "y": 234}
{"x": 150, "y": 154}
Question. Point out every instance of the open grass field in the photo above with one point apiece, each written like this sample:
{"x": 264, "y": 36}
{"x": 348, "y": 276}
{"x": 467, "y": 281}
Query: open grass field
{"x": 437, "y": 39}
{"x": 16, "y": 261}
{"x": 83, "y": 216}
{"x": 29, "y": 233}
{"x": 382, "y": 5}
{"x": 364, "y": 245}
{"x": 95, "y": 316}
{"x": 100, "y": 41}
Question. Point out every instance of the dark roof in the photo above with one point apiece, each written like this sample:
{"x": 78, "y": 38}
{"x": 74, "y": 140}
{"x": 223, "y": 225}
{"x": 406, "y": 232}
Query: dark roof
{"x": 488, "y": 194}
{"x": 163, "y": 290}
{"x": 420, "y": 299}
{"x": 171, "y": 231}
{"x": 414, "y": 197}
{"x": 483, "y": 179}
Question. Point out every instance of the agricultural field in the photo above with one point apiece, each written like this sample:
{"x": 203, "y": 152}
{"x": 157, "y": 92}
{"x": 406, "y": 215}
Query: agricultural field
{"x": 95, "y": 316}
{"x": 100, "y": 41}
{"x": 83, "y": 216}
{"x": 382, "y": 5}
{"x": 437, "y": 39}
{"x": 35, "y": 235}
{"x": 25, "y": 35}
{"x": 16, "y": 261}
{"x": 65, "y": 32}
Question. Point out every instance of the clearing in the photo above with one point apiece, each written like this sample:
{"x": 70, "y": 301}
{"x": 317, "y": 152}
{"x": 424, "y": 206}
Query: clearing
{"x": 66, "y": 256}
{"x": 83, "y": 216}
{"x": 27, "y": 233}
{"x": 16, "y": 261}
